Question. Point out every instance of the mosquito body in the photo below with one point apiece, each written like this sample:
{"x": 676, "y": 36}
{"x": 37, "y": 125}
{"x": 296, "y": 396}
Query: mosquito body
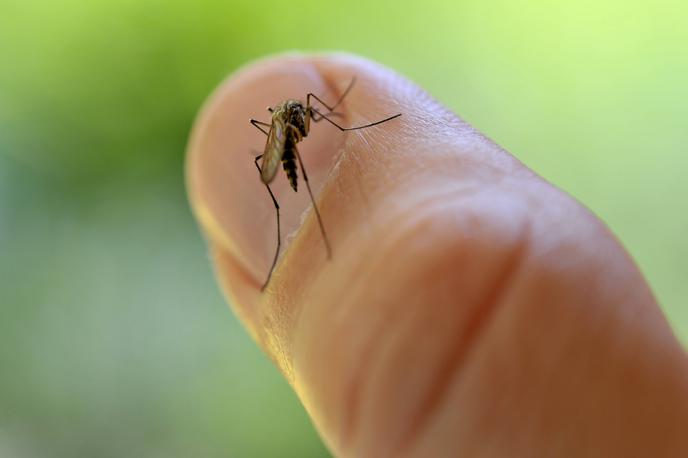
{"x": 289, "y": 125}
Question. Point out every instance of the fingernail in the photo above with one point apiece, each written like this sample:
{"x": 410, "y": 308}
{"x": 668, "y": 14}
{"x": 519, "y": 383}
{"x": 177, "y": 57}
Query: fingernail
{"x": 231, "y": 203}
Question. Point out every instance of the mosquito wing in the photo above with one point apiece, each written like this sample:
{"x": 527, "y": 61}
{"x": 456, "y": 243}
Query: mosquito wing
{"x": 274, "y": 149}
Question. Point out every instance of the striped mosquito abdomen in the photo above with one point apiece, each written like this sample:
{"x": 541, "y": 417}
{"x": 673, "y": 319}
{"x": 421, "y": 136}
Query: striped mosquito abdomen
{"x": 289, "y": 163}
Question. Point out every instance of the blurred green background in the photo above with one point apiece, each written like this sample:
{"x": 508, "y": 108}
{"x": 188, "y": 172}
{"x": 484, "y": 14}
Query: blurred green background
{"x": 114, "y": 340}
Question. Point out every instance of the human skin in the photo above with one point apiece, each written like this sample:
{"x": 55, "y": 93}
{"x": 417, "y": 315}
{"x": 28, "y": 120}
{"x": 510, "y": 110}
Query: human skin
{"x": 470, "y": 308}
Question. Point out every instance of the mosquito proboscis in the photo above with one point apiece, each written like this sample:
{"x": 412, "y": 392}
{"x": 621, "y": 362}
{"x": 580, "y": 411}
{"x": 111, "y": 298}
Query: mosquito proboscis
{"x": 290, "y": 124}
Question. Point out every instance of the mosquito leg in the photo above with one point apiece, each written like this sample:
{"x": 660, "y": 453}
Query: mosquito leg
{"x": 337, "y": 103}
{"x": 279, "y": 237}
{"x": 322, "y": 116}
{"x": 257, "y": 125}
{"x": 333, "y": 113}
{"x": 315, "y": 207}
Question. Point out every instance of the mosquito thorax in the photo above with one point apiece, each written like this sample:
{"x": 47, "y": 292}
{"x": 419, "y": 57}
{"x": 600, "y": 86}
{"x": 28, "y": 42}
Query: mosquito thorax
{"x": 292, "y": 112}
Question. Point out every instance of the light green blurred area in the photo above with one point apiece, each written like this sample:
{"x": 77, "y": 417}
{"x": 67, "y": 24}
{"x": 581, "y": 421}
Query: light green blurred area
{"x": 114, "y": 340}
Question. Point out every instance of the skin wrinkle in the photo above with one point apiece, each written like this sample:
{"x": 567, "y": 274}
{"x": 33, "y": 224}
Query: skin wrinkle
{"x": 404, "y": 229}
{"x": 537, "y": 308}
{"x": 352, "y": 394}
{"x": 351, "y": 289}
{"x": 467, "y": 340}
{"x": 466, "y": 252}
{"x": 371, "y": 263}
{"x": 367, "y": 356}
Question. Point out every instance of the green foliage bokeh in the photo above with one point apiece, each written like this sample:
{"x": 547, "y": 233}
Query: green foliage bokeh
{"x": 113, "y": 338}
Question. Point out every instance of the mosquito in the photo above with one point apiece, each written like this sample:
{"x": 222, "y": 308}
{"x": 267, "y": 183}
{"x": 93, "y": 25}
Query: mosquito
{"x": 289, "y": 125}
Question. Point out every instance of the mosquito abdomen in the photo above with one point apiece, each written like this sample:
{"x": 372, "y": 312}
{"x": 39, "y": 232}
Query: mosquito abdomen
{"x": 289, "y": 164}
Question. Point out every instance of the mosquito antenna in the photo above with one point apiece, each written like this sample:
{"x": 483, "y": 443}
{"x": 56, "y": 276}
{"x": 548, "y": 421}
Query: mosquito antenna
{"x": 343, "y": 129}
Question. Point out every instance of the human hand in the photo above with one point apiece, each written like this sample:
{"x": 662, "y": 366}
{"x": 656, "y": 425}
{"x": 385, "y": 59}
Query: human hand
{"x": 469, "y": 309}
